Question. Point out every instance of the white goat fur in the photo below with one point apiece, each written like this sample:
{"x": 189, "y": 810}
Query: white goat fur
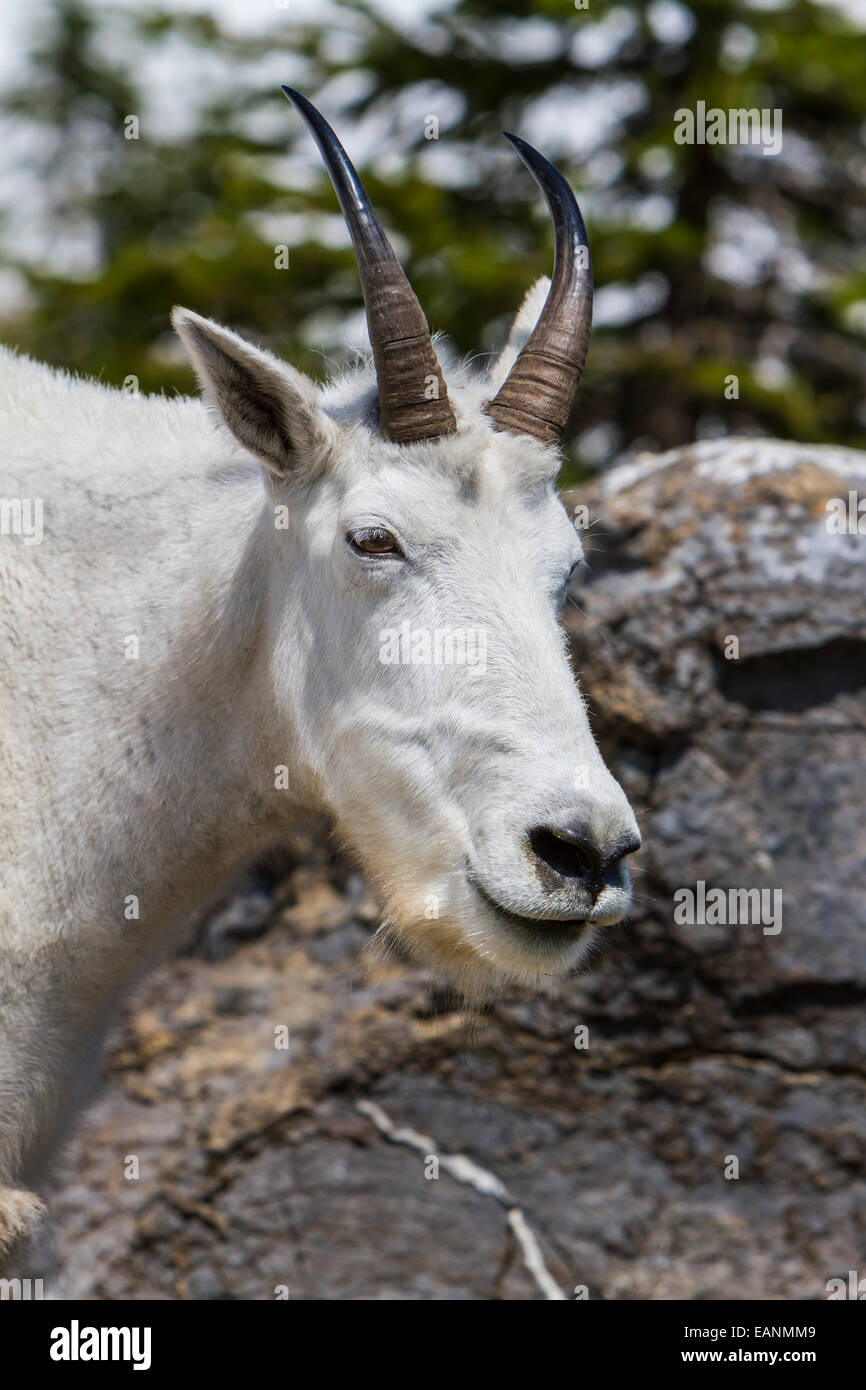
{"x": 258, "y": 648}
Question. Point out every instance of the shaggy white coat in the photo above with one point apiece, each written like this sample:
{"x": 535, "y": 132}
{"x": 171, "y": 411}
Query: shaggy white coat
{"x": 194, "y": 621}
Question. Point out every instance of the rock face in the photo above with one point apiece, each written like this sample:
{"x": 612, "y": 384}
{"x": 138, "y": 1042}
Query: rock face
{"x": 710, "y": 1048}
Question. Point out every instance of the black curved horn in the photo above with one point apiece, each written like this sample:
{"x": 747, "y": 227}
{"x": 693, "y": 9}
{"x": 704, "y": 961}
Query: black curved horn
{"x": 413, "y": 397}
{"x": 538, "y": 393}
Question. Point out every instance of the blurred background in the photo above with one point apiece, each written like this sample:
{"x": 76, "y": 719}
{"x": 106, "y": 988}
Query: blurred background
{"x": 688, "y": 1119}
{"x": 709, "y": 259}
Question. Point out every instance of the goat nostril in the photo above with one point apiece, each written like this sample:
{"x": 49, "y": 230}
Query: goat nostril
{"x": 568, "y": 853}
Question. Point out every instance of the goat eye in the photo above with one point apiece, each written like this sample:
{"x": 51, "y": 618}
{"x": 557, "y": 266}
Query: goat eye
{"x": 567, "y": 585}
{"x": 373, "y": 540}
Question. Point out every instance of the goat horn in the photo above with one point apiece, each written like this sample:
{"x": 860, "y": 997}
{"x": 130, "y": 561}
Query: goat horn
{"x": 537, "y": 395}
{"x": 413, "y": 397}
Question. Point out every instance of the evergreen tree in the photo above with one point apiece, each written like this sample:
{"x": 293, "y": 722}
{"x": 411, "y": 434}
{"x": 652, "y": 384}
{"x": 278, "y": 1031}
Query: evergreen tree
{"x": 713, "y": 261}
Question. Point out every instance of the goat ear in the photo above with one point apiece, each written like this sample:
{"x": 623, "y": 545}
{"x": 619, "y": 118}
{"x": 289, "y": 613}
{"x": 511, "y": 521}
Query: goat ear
{"x": 525, "y": 321}
{"x": 270, "y": 408}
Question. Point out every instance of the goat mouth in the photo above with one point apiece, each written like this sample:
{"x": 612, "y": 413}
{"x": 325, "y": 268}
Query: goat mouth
{"x": 548, "y": 927}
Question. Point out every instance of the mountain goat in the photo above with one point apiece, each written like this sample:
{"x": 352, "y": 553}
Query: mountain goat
{"x": 275, "y": 603}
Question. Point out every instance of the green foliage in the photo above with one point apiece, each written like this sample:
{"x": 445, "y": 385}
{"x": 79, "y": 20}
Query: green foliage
{"x": 180, "y": 219}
